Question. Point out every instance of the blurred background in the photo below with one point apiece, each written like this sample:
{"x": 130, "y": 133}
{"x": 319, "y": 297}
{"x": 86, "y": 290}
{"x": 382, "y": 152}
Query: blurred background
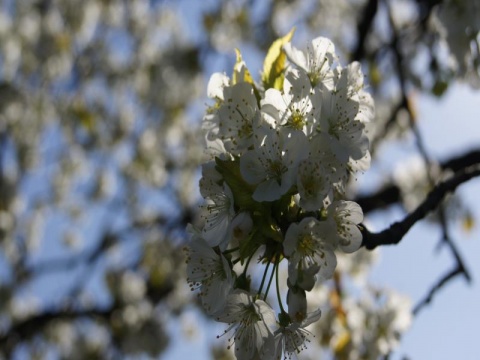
{"x": 101, "y": 103}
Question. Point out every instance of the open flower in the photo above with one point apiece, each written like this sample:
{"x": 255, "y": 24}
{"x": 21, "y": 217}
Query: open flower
{"x": 343, "y": 218}
{"x": 238, "y": 116}
{"x": 272, "y": 166}
{"x": 209, "y": 272}
{"x": 317, "y": 62}
{"x": 292, "y": 338}
{"x": 344, "y": 135}
{"x": 314, "y": 184}
{"x": 252, "y": 322}
{"x": 309, "y": 253}
{"x": 297, "y": 107}
{"x": 283, "y": 156}
{"x": 218, "y": 209}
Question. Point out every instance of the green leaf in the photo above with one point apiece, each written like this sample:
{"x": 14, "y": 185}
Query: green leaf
{"x": 439, "y": 88}
{"x": 274, "y": 64}
{"x": 241, "y": 190}
{"x": 266, "y": 224}
{"x": 243, "y": 282}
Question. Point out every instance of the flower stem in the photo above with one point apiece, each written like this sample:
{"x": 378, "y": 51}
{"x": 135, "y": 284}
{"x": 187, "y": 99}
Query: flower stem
{"x": 277, "y": 263}
{"x": 263, "y": 279}
{"x": 248, "y": 263}
{"x": 270, "y": 281}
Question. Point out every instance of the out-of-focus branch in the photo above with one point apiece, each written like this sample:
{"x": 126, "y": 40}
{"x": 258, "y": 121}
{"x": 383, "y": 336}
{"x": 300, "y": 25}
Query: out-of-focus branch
{"x": 90, "y": 255}
{"x": 364, "y": 26}
{"x": 386, "y": 196}
{"x": 391, "y": 194}
{"x": 395, "y": 233}
{"x": 460, "y": 162}
{"x": 27, "y": 328}
{"x": 458, "y": 270}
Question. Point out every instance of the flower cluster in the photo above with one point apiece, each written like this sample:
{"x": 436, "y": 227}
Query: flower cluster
{"x": 282, "y": 152}
{"x": 457, "y": 24}
{"x": 373, "y": 328}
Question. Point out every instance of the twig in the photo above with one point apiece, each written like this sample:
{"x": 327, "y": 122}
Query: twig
{"x": 440, "y": 284}
{"x": 395, "y": 233}
{"x": 391, "y": 194}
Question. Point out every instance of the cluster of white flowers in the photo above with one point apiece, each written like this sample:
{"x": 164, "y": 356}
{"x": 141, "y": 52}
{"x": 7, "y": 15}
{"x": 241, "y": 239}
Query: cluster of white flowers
{"x": 373, "y": 327}
{"x": 282, "y": 152}
{"x": 458, "y": 25}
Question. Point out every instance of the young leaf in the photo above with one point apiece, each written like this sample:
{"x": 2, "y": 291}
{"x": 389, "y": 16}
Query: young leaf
{"x": 274, "y": 63}
{"x": 241, "y": 190}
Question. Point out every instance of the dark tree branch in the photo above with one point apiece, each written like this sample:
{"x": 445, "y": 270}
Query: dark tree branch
{"x": 395, "y": 233}
{"x": 364, "y": 26}
{"x": 388, "y": 195}
{"x": 462, "y": 161}
{"x": 391, "y": 194}
{"x": 27, "y": 328}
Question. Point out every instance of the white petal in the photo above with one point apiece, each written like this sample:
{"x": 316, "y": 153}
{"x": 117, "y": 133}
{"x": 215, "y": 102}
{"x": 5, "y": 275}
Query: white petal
{"x": 269, "y": 190}
{"x": 312, "y": 317}
{"x": 216, "y": 85}
{"x": 251, "y": 167}
{"x": 295, "y": 56}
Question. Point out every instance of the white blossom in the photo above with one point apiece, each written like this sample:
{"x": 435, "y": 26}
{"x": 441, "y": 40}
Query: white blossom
{"x": 283, "y": 157}
{"x": 210, "y": 272}
{"x": 344, "y": 216}
{"x": 314, "y": 184}
{"x": 293, "y": 337}
{"x": 238, "y": 116}
{"x": 297, "y": 107}
{"x": 218, "y": 209}
{"x": 216, "y": 85}
{"x": 317, "y": 62}
{"x": 251, "y": 321}
{"x": 273, "y": 165}
{"x": 309, "y": 253}
{"x": 344, "y": 135}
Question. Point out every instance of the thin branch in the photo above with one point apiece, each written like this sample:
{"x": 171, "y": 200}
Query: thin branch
{"x": 459, "y": 270}
{"x": 391, "y": 194}
{"x": 384, "y": 131}
{"x": 29, "y": 327}
{"x": 108, "y": 240}
{"x": 71, "y": 262}
{"x": 395, "y": 233}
